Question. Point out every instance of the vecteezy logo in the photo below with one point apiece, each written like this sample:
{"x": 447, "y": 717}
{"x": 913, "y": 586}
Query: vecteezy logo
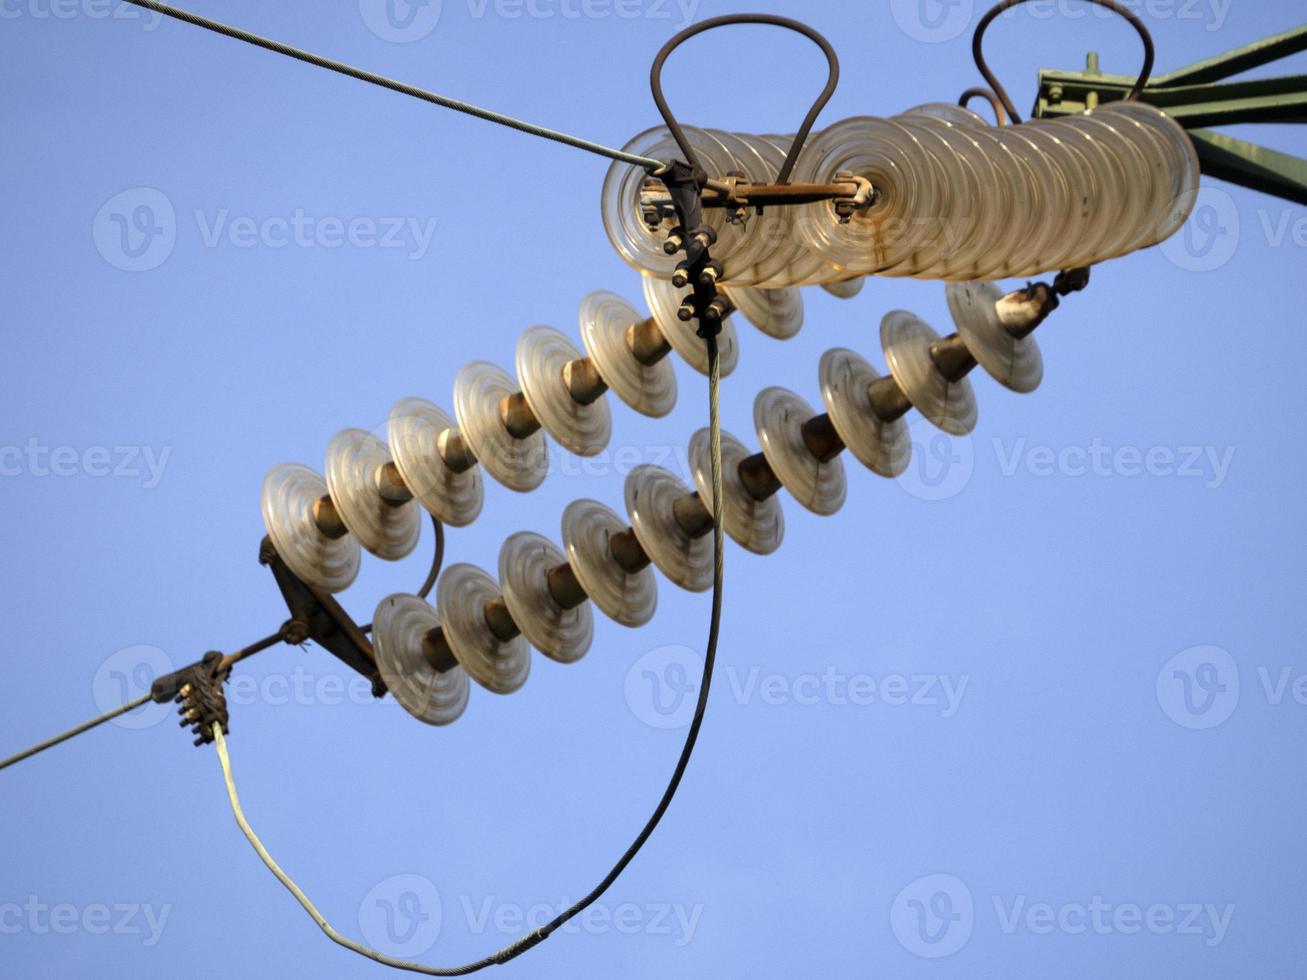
{"x": 400, "y": 21}
{"x": 401, "y": 916}
{"x": 1199, "y": 687}
{"x": 136, "y": 230}
{"x": 1209, "y": 238}
{"x": 127, "y": 675}
{"x": 662, "y": 687}
{"x": 941, "y": 465}
{"x": 933, "y": 916}
{"x": 932, "y": 21}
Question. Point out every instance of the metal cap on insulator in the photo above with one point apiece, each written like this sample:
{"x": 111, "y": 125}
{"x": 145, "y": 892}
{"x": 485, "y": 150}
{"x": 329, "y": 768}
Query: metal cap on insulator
{"x": 627, "y": 595}
{"x": 414, "y": 430}
{"x": 880, "y": 445}
{"x": 649, "y": 388}
{"x": 542, "y": 355}
{"x": 949, "y": 405}
{"x": 498, "y": 665}
{"x": 400, "y": 627}
{"x": 755, "y": 525}
{"x": 1011, "y": 359}
{"x": 290, "y": 497}
{"x": 561, "y": 633}
{"x": 355, "y": 463}
{"x": 686, "y": 558}
{"x": 518, "y": 463}
{"x": 818, "y": 484}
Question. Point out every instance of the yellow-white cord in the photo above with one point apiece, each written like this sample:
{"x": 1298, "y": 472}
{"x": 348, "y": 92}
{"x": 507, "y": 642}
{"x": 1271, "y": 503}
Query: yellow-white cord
{"x": 220, "y": 742}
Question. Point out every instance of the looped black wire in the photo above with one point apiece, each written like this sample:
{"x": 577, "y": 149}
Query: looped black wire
{"x": 437, "y": 560}
{"x": 1000, "y": 117}
{"x": 997, "y": 86}
{"x": 655, "y": 81}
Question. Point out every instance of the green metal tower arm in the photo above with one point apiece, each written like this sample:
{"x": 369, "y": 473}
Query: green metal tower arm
{"x": 1190, "y": 97}
{"x": 1250, "y": 165}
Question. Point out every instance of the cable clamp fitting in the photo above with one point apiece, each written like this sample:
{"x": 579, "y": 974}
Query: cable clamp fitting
{"x": 198, "y": 691}
{"x": 848, "y": 194}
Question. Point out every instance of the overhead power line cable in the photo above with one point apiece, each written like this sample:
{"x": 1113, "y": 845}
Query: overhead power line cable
{"x": 85, "y": 726}
{"x": 372, "y": 78}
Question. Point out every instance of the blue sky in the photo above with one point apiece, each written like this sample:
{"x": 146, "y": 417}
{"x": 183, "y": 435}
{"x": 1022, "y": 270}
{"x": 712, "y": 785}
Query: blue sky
{"x": 951, "y": 719}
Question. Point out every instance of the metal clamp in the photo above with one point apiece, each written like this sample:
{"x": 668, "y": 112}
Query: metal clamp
{"x": 198, "y": 689}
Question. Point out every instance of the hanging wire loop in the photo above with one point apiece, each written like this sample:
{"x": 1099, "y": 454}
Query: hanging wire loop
{"x": 833, "y": 79}
{"x": 988, "y": 95}
{"x": 977, "y": 51}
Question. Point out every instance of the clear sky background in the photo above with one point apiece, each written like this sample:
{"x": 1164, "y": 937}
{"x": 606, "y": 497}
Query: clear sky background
{"x": 952, "y": 719}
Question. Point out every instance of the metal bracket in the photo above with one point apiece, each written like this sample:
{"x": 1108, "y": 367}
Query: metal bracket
{"x": 849, "y": 193}
{"x": 684, "y": 185}
{"x": 325, "y": 622}
{"x": 1190, "y": 97}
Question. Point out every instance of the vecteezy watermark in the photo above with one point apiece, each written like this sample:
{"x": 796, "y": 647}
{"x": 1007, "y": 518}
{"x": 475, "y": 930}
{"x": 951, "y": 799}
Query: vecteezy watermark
{"x": 72, "y": 9}
{"x": 403, "y": 916}
{"x": 678, "y": 13}
{"x": 300, "y": 229}
{"x": 1204, "y": 920}
{"x": 299, "y": 686}
{"x": 942, "y": 466}
{"x": 1212, "y": 14}
{"x": 38, "y": 918}
{"x": 136, "y": 230}
{"x": 131, "y": 672}
{"x": 675, "y": 921}
{"x": 619, "y": 460}
{"x": 127, "y": 675}
{"x": 400, "y": 21}
{"x": 35, "y": 459}
{"x": 935, "y": 915}
{"x": 1210, "y": 236}
{"x": 405, "y": 21}
{"x": 937, "y": 21}
{"x": 1199, "y": 687}
{"x": 1216, "y": 228}
{"x": 662, "y": 688}
{"x": 942, "y": 693}
{"x": 932, "y": 21}
{"x": 615, "y": 461}
{"x": 1210, "y": 464}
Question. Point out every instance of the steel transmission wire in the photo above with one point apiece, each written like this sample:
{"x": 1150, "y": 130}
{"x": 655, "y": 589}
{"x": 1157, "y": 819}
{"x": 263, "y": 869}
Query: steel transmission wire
{"x": 85, "y": 726}
{"x": 363, "y": 75}
{"x": 231, "y": 659}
